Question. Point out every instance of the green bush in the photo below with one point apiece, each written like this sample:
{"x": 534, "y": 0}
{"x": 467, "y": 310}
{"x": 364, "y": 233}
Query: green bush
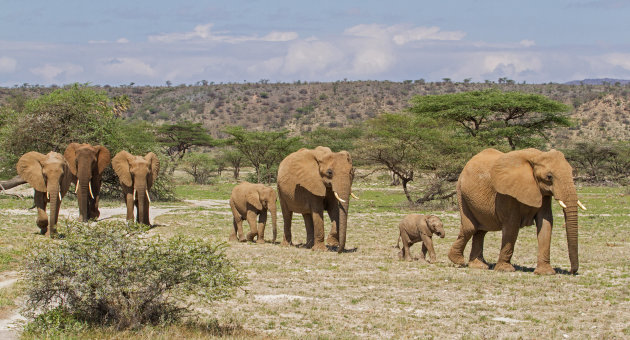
{"x": 114, "y": 274}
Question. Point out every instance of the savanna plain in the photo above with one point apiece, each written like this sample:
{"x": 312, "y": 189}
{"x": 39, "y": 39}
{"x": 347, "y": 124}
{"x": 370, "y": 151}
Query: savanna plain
{"x": 367, "y": 292}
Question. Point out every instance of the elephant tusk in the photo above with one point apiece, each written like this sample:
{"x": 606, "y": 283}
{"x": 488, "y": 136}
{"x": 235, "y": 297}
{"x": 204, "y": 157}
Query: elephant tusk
{"x": 354, "y": 196}
{"x": 60, "y": 197}
{"x": 581, "y": 205}
{"x": 339, "y": 198}
{"x": 562, "y": 204}
{"x": 134, "y": 194}
{"x": 148, "y": 198}
{"x": 48, "y": 195}
{"x": 77, "y": 187}
{"x": 90, "y": 186}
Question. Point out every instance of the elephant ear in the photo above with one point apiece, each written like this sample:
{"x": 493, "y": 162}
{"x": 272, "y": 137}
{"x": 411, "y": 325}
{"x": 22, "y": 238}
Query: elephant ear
{"x": 103, "y": 158}
{"x": 154, "y": 163}
{"x": 513, "y": 175}
{"x": 305, "y": 167}
{"x": 29, "y": 167}
{"x": 120, "y": 163}
{"x": 254, "y": 199}
{"x": 71, "y": 157}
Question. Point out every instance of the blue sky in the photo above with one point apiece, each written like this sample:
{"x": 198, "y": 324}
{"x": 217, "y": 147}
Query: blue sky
{"x": 149, "y": 42}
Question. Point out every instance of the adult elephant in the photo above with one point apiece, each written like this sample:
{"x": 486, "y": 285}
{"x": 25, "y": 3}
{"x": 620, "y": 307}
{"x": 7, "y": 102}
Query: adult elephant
{"x": 506, "y": 191}
{"x": 311, "y": 181}
{"x": 87, "y": 163}
{"x": 136, "y": 174}
{"x": 247, "y": 201}
{"x": 50, "y": 177}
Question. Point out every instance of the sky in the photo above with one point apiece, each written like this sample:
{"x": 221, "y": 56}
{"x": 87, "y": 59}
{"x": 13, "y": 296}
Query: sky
{"x": 151, "y": 42}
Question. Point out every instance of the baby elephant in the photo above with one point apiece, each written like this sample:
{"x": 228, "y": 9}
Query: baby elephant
{"x": 419, "y": 228}
{"x": 248, "y": 201}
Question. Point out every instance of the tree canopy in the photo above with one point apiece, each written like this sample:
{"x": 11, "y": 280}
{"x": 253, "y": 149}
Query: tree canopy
{"x": 497, "y": 117}
{"x": 179, "y": 138}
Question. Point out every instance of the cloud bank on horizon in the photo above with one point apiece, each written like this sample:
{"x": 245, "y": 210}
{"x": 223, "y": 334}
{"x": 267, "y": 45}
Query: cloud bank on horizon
{"x": 357, "y": 51}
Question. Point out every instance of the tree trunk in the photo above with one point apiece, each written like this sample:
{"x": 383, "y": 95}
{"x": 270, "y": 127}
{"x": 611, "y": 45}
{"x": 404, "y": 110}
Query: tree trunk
{"x": 11, "y": 183}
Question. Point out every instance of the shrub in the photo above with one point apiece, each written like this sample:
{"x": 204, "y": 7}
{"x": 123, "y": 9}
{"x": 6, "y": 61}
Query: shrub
{"x": 114, "y": 274}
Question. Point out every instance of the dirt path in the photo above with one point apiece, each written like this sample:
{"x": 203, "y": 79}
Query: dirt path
{"x": 10, "y": 323}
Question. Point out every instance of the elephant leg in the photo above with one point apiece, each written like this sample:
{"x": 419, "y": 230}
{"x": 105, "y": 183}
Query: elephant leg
{"x": 424, "y": 252}
{"x": 235, "y": 227}
{"x": 508, "y": 239}
{"x": 406, "y": 241}
{"x": 251, "y": 220}
{"x": 287, "y": 216}
{"x": 130, "y": 205}
{"x": 42, "y": 218}
{"x": 318, "y": 229}
{"x": 262, "y": 220}
{"x": 466, "y": 231}
{"x": 476, "y": 259}
{"x": 308, "y": 222}
{"x": 544, "y": 226}
{"x": 333, "y": 213}
{"x": 427, "y": 242}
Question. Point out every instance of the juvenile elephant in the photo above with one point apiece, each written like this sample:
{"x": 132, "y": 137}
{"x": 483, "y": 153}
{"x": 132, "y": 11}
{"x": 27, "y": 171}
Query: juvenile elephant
{"x": 416, "y": 228}
{"x": 87, "y": 163}
{"x": 50, "y": 177}
{"x": 507, "y": 191}
{"x": 311, "y": 181}
{"x": 247, "y": 201}
{"x": 136, "y": 174}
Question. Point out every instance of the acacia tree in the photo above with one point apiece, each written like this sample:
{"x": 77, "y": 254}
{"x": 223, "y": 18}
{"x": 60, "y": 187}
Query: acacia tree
{"x": 179, "y": 138}
{"x": 407, "y": 145}
{"x": 520, "y": 119}
{"x": 263, "y": 149}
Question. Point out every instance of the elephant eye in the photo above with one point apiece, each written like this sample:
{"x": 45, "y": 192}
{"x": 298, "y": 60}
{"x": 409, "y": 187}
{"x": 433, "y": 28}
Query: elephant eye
{"x": 549, "y": 177}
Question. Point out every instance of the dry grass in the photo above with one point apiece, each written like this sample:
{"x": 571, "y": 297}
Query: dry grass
{"x": 368, "y": 293}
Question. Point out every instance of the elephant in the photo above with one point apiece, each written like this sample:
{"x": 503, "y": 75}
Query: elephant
{"x": 507, "y": 191}
{"x": 416, "y": 228}
{"x": 311, "y": 181}
{"x": 247, "y": 201}
{"x": 136, "y": 174}
{"x": 87, "y": 164}
{"x": 50, "y": 177}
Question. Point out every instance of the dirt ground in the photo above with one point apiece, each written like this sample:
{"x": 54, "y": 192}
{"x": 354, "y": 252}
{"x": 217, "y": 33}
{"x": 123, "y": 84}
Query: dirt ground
{"x": 367, "y": 292}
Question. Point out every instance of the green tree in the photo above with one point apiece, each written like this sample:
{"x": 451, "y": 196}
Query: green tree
{"x": 407, "y": 145}
{"x": 234, "y": 158}
{"x": 177, "y": 139}
{"x": 200, "y": 166}
{"x": 496, "y": 117}
{"x": 263, "y": 149}
{"x": 336, "y": 139}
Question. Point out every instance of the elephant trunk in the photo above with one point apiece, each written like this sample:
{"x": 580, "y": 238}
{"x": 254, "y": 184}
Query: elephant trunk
{"x": 55, "y": 201}
{"x": 143, "y": 204}
{"x": 272, "y": 210}
{"x": 343, "y": 224}
{"x": 83, "y": 197}
{"x": 571, "y": 222}
{"x": 569, "y": 198}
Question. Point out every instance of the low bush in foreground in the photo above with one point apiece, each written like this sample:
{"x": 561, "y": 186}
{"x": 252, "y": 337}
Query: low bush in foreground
{"x": 116, "y": 275}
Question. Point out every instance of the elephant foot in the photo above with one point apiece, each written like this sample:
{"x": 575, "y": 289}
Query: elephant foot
{"x": 285, "y": 243}
{"x": 432, "y": 260}
{"x": 260, "y": 241}
{"x": 319, "y": 246}
{"x": 544, "y": 269}
{"x": 478, "y": 264}
{"x": 233, "y": 238}
{"x": 504, "y": 267}
{"x": 456, "y": 257}
{"x": 242, "y": 239}
{"x": 332, "y": 241}
{"x": 250, "y": 237}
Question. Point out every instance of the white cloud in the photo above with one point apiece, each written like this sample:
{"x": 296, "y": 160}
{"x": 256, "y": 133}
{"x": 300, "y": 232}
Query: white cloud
{"x": 126, "y": 67}
{"x": 510, "y": 64}
{"x": 311, "y": 58}
{"x": 205, "y": 33}
{"x": 618, "y": 59}
{"x": 52, "y": 72}
{"x": 527, "y": 43}
{"x": 7, "y": 65}
{"x": 118, "y": 41}
{"x": 403, "y": 34}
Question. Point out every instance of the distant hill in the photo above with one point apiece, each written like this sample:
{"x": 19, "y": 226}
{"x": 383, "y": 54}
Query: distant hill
{"x": 599, "y": 81}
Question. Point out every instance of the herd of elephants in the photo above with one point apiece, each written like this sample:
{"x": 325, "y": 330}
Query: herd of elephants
{"x": 496, "y": 191}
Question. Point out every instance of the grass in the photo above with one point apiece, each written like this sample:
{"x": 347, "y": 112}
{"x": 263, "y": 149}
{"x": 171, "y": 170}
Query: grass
{"x": 368, "y": 293}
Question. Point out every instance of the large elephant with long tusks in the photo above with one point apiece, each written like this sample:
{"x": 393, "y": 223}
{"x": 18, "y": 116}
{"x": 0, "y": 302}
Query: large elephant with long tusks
{"x": 87, "y": 164}
{"x": 136, "y": 174}
{"x": 50, "y": 177}
{"x": 311, "y": 181}
{"x": 507, "y": 191}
